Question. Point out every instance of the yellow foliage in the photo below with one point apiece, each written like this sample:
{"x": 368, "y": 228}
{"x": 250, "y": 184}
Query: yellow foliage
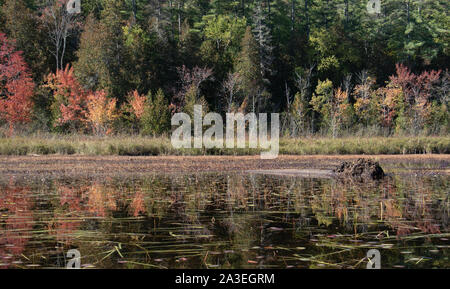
{"x": 101, "y": 111}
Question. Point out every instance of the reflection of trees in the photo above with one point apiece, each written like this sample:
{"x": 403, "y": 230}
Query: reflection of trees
{"x": 214, "y": 212}
{"x": 404, "y": 205}
{"x": 101, "y": 199}
{"x": 16, "y": 222}
{"x": 420, "y": 208}
{"x": 66, "y": 215}
{"x": 137, "y": 205}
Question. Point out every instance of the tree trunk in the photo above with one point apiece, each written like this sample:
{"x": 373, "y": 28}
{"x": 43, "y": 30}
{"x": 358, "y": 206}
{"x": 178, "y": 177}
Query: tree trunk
{"x": 179, "y": 17}
{"x": 346, "y": 12}
{"x": 307, "y": 20}
{"x": 134, "y": 8}
{"x": 292, "y": 14}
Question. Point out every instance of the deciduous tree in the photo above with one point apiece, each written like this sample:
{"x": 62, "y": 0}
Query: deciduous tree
{"x": 70, "y": 99}
{"x": 101, "y": 112}
{"x": 16, "y": 85}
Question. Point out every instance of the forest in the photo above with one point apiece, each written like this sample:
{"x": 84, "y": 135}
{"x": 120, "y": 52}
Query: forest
{"x": 92, "y": 174}
{"x": 123, "y": 67}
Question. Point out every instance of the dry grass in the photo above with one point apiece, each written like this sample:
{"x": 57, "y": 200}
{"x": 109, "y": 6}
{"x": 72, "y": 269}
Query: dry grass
{"x": 144, "y": 146}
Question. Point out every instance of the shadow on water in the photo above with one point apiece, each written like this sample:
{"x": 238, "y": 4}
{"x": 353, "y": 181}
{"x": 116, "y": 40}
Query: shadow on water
{"x": 225, "y": 221}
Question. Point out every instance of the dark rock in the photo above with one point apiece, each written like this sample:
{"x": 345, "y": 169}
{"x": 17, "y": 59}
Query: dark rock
{"x": 362, "y": 168}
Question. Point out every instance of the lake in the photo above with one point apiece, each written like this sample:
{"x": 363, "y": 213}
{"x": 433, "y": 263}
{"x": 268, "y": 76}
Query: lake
{"x": 224, "y": 220}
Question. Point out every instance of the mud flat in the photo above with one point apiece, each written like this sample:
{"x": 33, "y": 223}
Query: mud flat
{"x": 363, "y": 169}
{"x": 305, "y": 173}
{"x": 317, "y": 165}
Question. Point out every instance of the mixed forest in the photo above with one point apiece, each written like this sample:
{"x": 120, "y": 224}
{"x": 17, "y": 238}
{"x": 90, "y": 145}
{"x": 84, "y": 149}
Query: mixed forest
{"x": 330, "y": 68}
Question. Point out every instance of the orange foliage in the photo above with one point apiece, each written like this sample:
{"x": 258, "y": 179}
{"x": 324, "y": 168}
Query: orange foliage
{"x": 100, "y": 201}
{"x": 340, "y": 97}
{"x": 79, "y": 107}
{"x": 418, "y": 89}
{"x": 137, "y": 205}
{"x": 138, "y": 103}
{"x": 387, "y": 103}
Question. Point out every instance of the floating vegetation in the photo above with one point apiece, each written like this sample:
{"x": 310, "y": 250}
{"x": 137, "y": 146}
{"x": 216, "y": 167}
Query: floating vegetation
{"x": 225, "y": 221}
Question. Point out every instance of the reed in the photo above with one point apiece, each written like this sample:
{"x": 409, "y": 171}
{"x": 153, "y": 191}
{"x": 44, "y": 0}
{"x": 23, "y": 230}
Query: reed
{"x": 147, "y": 146}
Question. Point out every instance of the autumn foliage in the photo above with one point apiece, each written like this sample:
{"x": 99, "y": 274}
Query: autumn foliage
{"x": 419, "y": 92}
{"x": 16, "y": 85}
{"x": 70, "y": 99}
{"x": 77, "y": 107}
{"x": 137, "y": 103}
{"x": 101, "y": 111}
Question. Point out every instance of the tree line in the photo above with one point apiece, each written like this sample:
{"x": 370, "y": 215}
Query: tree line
{"x": 124, "y": 66}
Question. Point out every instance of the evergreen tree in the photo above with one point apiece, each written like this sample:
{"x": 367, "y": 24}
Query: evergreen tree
{"x": 21, "y": 24}
{"x": 156, "y": 116}
{"x": 92, "y": 66}
{"x": 248, "y": 68}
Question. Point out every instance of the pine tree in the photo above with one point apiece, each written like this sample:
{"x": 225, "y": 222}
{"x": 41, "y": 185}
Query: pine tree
{"x": 156, "y": 117}
{"x": 248, "y": 68}
{"x": 24, "y": 26}
{"x": 222, "y": 35}
{"x": 92, "y": 67}
{"x": 115, "y": 55}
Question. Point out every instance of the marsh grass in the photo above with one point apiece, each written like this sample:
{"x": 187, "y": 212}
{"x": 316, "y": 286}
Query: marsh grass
{"x": 146, "y": 146}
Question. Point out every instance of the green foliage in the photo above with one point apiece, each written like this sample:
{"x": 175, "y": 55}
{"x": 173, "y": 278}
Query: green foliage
{"x": 22, "y": 25}
{"x": 192, "y": 99}
{"x": 122, "y": 46}
{"x": 247, "y": 65}
{"x": 322, "y": 100}
{"x": 156, "y": 118}
{"x": 92, "y": 67}
{"x": 222, "y": 35}
{"x": 299, "y": 111}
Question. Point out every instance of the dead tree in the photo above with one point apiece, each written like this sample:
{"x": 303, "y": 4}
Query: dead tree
{"x": 60, "y": 24}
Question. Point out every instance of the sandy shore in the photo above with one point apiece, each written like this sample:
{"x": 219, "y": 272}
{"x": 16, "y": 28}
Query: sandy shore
{"x": 89, "y": 166}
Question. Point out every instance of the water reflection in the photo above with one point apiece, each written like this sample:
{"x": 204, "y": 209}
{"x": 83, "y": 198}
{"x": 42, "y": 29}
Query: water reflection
{"x": 225, "y": 221}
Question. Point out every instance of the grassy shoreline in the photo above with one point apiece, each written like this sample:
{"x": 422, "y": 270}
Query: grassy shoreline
{"x": 145, "y": 146}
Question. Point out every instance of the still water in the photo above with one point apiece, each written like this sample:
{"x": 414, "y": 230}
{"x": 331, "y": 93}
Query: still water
{"x": 225, "y": 221}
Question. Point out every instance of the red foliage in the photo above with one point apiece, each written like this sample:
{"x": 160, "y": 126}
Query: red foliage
{"x": 418, "y": 93}
{"x": 16, "y": 85}
{"x": 417, "y": 88}
{"x": 70, "y": 97}
{"x": 190, "y": 79}
{"x": 16, "y": 222}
